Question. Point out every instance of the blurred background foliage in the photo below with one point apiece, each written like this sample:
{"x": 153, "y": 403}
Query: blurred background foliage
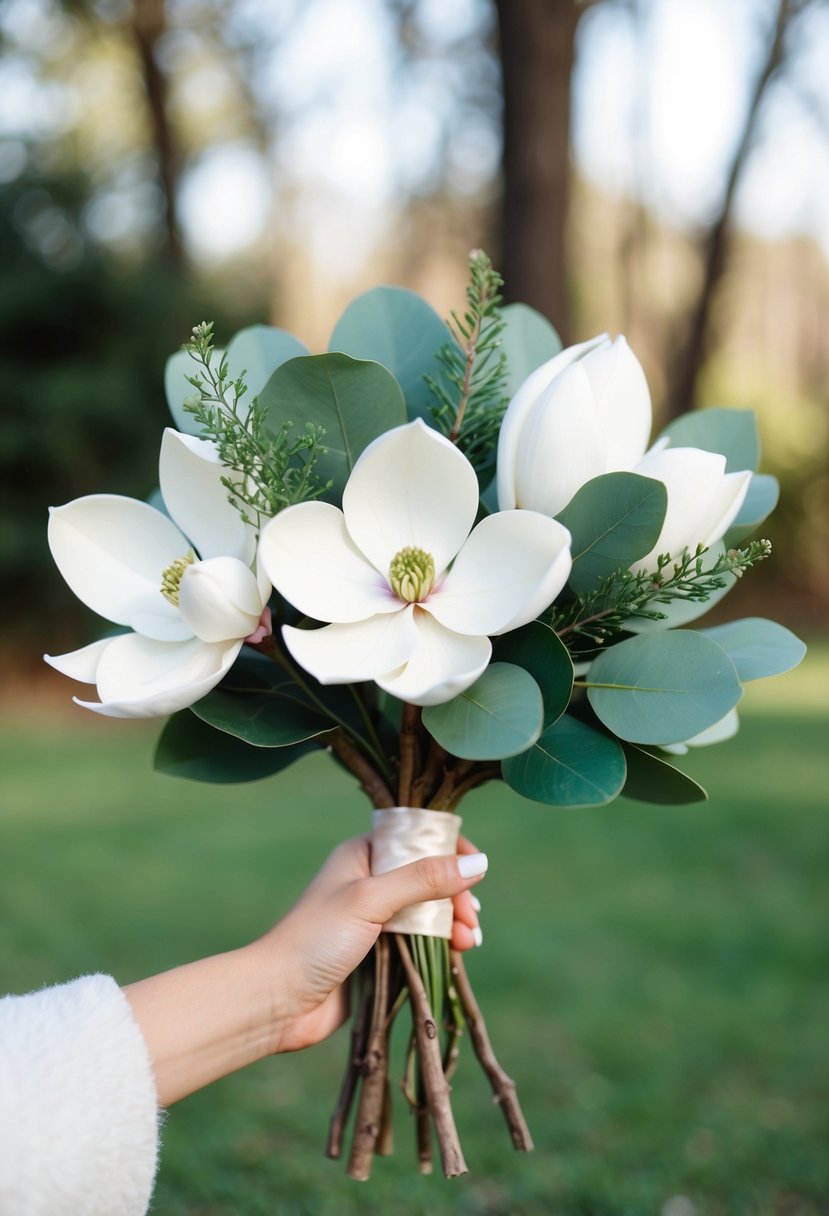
{"x": 631, "y": 165}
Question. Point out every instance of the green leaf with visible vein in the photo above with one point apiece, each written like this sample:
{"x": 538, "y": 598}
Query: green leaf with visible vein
{"x": 499, "y": 715}
{"x": 571, "y": 765}
{"x": 353, "y": 400}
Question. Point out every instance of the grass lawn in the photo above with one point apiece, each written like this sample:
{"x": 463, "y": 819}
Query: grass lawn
{"x": 654, "y": 978}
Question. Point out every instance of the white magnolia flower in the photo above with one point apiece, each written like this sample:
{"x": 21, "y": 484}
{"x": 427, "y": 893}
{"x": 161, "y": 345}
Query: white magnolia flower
{"x": 587, "y": 412}
{"x": 412, "y": 594}
{"x": 187, "y": 588}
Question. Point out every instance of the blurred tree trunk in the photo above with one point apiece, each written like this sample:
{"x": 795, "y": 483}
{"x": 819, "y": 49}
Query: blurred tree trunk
{"x": 537, "y": 40}
{"x": 149, "y": 24}
{"x": 694, "y": 341}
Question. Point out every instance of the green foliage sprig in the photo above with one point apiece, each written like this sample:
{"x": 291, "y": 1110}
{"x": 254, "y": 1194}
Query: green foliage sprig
{"x": 273, "y": 471}
{"x": 471, "y": 398}
{"x": 598, "y": 617}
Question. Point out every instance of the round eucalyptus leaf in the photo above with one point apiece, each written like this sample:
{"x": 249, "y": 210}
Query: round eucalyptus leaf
{"x": 353, "y": 400}
{"x": 399, "y": 329}
{"x": 541, "y": 652}
{"x": 257, "y": 352}
{"x": 499, "y": 715}
{"x": 662, "y": 687}
{"x": 650, "y": 778}
{"x": 758, "y": 647}
{"x": 570, "y": 765}
{"x": 614, "y": 520}
{"x": 189, "y": 748}
{"x": 528, "y": 340}
{"x": 731, "y": 432}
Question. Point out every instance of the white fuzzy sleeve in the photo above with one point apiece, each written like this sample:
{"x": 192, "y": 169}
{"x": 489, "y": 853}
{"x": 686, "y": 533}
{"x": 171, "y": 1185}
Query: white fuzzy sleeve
{"x": 78, "y": 1111}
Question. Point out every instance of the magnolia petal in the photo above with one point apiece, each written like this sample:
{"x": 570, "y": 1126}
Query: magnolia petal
{"x": 442, "y": 664}
{"x": 562, "y": 445}
{"x": 724, "y": 506}
{"x": 313, "y": 562}
{"x": 142, "y": 678}
{"x": 726, "y": 728}
{"x": 81, "y": 665}
{"x": 190, "y": 475}
{"x": 513, "y": 565}
{"x": 410, "y": 487}
{"x": 112, "y": 552}
{"x": 220, "y": 599}
{"x": 693, "y": 479}
{"x": 623, "y": 402}
{"x": 512, "y": 427}
{"x": 362, "y": 650}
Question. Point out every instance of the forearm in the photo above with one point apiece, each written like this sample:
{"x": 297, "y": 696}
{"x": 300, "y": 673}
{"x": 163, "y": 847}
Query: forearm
{"x": 206, "y": 1019}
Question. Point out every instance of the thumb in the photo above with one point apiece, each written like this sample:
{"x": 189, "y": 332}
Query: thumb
{"x": 383, "y": 895}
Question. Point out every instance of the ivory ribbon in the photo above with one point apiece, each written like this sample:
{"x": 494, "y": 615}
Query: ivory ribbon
{"x": 401, "y": 834}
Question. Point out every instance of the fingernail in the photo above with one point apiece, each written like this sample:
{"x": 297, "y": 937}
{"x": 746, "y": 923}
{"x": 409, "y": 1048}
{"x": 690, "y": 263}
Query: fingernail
{"x": 470, "y": 865}
{"x": 477, "y": 936}
{"x": 476, "y": 903}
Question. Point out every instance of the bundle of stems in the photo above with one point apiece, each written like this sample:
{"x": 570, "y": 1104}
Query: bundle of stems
{"x": 429, "y": 977}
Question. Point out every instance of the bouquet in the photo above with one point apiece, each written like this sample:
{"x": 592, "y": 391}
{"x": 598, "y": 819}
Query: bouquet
{"x": 445, "y": 554}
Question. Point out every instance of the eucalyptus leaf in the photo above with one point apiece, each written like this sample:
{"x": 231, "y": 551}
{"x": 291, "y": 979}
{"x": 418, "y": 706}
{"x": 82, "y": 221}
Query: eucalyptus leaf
{"x": 614, "y": 520}
{"x": 500, "y": 714}
{"x": 758, "y": 647}
{"x": 399, "y": 329}
{"x": 758, "y": 504}
{"x": 528, "y": 340}
{"x": 257, "y": 352}
{"x": 354, "y": 400}
{"x": 662, "y": 687}
{"x": 652, "y": 779}
{"x": 189, "y": 748}
{"x": 275, "y": 717}
{"x": 731, "y": 432}
{"x": 540, "y": 651}
{"x": 571, "y": 765}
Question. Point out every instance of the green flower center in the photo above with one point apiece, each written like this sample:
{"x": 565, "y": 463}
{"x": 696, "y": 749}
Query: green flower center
{"x": 172, "y": 576}
{"x": 412, "y": 574}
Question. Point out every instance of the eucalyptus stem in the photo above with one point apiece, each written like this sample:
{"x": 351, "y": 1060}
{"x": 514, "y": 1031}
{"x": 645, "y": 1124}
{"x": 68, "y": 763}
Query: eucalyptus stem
{"x": 503, "y": 1086}
{"x": 434, "y": 1082}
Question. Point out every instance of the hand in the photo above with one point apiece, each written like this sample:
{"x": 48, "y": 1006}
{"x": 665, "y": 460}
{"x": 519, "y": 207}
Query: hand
{"x": 312, "y": 951}
{"x": 287, "y": 990}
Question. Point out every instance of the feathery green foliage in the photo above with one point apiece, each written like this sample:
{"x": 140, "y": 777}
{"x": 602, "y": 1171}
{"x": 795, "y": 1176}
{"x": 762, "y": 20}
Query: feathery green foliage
{"x": 273, "y": 471}
{"x": 598, "y": 617}
{"x": 470, "y": 411}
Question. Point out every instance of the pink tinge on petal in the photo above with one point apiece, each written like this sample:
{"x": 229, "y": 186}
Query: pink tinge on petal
{"x": 263, "y": 630}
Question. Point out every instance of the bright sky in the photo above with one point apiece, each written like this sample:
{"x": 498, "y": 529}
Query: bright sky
{"x": 659, "y": 112}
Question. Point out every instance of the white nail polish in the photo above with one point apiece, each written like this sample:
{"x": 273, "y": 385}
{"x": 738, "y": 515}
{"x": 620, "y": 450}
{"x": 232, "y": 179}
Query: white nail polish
{"x": 470, "y": 865}
{"x": 477, "y": 936}
{"x": 476, "y": 903}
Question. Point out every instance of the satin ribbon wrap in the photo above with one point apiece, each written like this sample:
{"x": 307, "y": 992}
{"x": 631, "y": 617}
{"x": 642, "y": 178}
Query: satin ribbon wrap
{"x": 401, "y": 834}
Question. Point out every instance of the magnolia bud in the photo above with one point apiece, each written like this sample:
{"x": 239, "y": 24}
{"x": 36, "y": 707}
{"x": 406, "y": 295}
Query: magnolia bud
{"x": 219, "y": 599}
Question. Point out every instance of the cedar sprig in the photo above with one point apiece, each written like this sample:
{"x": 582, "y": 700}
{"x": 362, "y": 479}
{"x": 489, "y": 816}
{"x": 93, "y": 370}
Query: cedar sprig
{"x": 268, "y": 472}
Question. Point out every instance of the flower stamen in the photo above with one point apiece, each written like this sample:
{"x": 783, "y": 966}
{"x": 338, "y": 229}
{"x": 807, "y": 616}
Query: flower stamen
{"x": 172, "y": 576}
{"x": 412, "y": 574}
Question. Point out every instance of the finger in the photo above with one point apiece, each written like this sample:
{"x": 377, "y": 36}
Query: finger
{"x": 464, "y": 938}
{"x": 465, "y": 909}
{"x": 378, "y": 898}
{"x": 466, "y": 846}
